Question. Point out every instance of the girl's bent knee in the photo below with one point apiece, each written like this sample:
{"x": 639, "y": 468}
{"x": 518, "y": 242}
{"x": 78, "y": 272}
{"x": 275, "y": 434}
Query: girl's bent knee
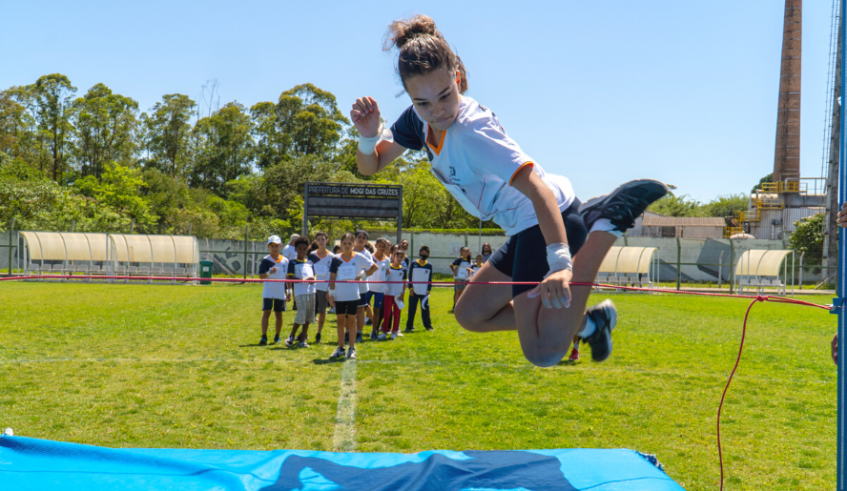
{"x": 545, "y": 357}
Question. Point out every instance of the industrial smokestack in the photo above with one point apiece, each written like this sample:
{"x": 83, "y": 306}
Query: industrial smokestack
{"x": 786, "y": 163}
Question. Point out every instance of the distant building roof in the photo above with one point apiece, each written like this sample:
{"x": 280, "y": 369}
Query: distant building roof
{"x": 652, "y": 221}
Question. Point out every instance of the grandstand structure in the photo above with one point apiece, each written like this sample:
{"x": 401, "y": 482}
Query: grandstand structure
{"x": 108, "y": 254}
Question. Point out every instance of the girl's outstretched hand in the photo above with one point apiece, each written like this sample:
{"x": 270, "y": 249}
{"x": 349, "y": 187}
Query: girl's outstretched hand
{"x": 365, "y": 115}
{"x": 555, "y": 290}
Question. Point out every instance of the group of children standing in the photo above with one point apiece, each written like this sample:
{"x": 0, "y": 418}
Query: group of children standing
{"x": 346, "y": 279}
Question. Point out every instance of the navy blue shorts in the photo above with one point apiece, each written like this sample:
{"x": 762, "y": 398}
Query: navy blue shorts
{"x": 378, "y": 297}
{"x": 275, "y": 304}
{"x": 524, "y": 256}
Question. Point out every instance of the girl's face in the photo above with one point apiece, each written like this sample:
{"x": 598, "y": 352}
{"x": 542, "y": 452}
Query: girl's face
{"x": 398, "y": 257}
{"x": 466, "y": 254}
{"x": 321, "y": 240}
{"x": 347, "y": 245}
{"x": 380, "y": 247}
{"x": 360, "y": 241}
{"x": 436, "y": 97}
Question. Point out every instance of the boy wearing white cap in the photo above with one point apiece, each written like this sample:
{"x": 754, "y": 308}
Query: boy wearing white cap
{"x": 274, "y": 266}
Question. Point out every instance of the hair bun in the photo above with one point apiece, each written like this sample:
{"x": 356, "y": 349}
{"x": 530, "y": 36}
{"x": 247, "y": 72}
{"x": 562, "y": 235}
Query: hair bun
{"x": 403, "y": 31}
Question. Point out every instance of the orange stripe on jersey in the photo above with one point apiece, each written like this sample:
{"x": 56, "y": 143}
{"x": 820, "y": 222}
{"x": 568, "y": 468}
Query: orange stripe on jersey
{"x": 519, "y": 169}
{"x": 437, "y": 149}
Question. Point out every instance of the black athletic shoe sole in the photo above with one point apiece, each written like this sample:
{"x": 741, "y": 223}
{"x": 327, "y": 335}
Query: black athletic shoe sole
{"x": 605, "y": 316}
{"x": 623, "y": 205}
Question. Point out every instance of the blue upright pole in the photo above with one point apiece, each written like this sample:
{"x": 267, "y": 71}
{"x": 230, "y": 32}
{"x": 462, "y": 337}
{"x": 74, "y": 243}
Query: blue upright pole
{"x": 841, "y": 286}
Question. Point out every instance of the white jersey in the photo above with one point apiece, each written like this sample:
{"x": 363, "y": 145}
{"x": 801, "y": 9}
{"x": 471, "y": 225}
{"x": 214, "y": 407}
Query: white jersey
{"x": 289, "y": 252}
{"x": 375, "y": 278}
{"x": 348, "y": 271}
{"x": 476, "y": 161}
{"x": 322, "y": 265}
{"x": 395, "y": 274}
{"x": 275, "y": 289}
{"x": 363, "y": 287}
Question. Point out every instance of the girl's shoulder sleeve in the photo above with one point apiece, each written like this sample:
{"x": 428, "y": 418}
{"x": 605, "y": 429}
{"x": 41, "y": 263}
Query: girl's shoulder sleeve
{"x": 408, "y": 130}
{"x": 488, "y": 148}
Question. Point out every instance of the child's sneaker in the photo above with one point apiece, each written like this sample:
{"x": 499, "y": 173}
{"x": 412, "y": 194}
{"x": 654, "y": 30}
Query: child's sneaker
{"x": 574, "y": 354}
{"x": 317, "y": 338}
{"x": 605, "y": 316}
{"x": 374, "y": 335}
{"x": 359, "y": 337}
{"x": 382, "y": 336}
{"x": 276, "y": 339}
{"x": 409, "y": 329}
{"x": 332, "y": 310}
{"x": 351, "y": 354}
{"x": 430, "y": 329}
{"x": 399, "y": 334}
{"x": 263, "y": 341}
{"x": 623, "y": 205}
{"x": 290, "y": 341}
{"x": 338, "y": 353}
{"x": 368, "y": 321}
{"x": 304, "y": 344}
{"x": 393, "y": 336}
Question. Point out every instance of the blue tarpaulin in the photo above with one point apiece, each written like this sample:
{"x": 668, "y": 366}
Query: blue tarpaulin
{"x": 32, "y": 464}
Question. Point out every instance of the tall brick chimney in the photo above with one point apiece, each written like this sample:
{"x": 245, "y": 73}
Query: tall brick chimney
{"x": 786, "y": 162}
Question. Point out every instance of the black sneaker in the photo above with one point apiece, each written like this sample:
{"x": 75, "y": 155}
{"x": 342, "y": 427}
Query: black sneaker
{"x": 290, "y": 341}
{"x": 276, "y": 339}
{"x": 317, "y": 338}
{"x": 358, "y": 338}
{"x": 409, "y": 329}
{"x": 338, "y": 353}
{"x": 369, "y": 322}
{"x": 374, "y": 335}
{"x": 605, "y": 316}
{"x": 623, "y": 205}
{"x": 430, "y": 329}
{"x": 263, "y": 341}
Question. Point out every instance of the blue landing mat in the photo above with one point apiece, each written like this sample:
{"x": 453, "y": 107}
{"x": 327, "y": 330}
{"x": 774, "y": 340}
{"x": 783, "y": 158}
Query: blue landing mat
{"x": 32, "y": 464}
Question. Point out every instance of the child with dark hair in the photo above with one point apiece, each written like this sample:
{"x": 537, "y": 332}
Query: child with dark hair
{"x": 461, "y": 269}
{"x": 302, "y": 268}
{"x": 347, "y": 266}
{"x": 393, "y": 302}
{"x": 492, "y": 178}
{"x": 360, "y": 247}
{"x": 376, "y": 289}
{"x": 420, "y": 274}
{"x": 322, "y": 259}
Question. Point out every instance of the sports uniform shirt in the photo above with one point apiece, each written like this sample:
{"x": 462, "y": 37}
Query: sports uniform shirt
{"x": 348, "y": 271}
{"x": 274, "y": 290}
{"x": 322, "y": 265}
{"x": 462, "y": 271}
{"x": 476, "y": 161}
{"x": 300, "y": 270}
{"x": 395, "y": 274}
{"x": 421, "y": 272}
{"x": 379, "y": 275}
{"x": 363, "y": 287}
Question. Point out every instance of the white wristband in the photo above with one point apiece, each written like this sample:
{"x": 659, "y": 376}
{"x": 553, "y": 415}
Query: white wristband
{"x": 332, "y": 293}
{"x": 558, "y": 257}
{"x": 367, "y": 145}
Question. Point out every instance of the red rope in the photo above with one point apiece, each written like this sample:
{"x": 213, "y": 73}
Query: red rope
{"x": 754, "y": 298}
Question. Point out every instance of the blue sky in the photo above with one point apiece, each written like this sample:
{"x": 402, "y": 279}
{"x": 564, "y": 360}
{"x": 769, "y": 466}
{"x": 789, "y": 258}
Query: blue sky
{"x": 601, "y": 92}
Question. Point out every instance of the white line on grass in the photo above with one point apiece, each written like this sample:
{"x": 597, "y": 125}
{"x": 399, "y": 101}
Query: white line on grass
{"x": 345, "y": 420}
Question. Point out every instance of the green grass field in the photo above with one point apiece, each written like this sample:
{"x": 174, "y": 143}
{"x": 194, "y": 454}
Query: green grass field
{"x": 178, "y": 366}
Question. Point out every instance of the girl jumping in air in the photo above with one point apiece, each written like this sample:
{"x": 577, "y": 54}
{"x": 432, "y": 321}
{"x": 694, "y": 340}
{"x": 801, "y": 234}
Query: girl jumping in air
{"x": 492, "y": 178}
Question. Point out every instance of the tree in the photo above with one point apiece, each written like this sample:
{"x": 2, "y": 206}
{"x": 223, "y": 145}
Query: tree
{"x": 808, "y": 238}
{"x": 726, "y": 206}
{"x": 677, "y": 206}
{"x": 224, "y": 148}
{"x": 105, "y": 125}
{"x": 120, "y": 190}
{"x": 305, "y": 121}
{"x": 169, "y": 132}
{"x": 51, "y": 97}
